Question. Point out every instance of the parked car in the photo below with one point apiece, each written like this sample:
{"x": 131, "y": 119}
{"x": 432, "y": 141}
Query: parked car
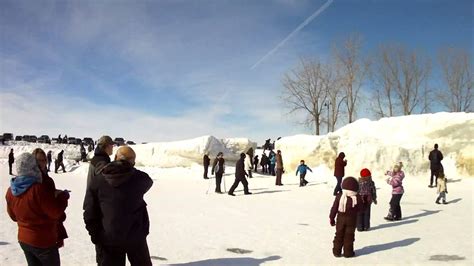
{"x": 78, "y": 141}
{"x": 88, "y": 141}
{"x": 33, "y": 138}
{"x": 129, "y": 142}
{"x": 44, "y": 139}
{"x": 7, "y": 136}
{"x": 119, "y": 141}
{"x": 54, "y": 140}
{"x": 71, "y": 140}
{"x": 18, "y": 138}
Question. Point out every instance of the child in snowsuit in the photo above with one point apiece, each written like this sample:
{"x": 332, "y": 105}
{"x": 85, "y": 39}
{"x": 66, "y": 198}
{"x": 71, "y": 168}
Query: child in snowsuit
{"x": 302, "y": 168}
{"x": 396, "y": 181}
{"x": 442, "y": 188}
{"x": 345, "y": 207}
{"x": 368, "y": 195}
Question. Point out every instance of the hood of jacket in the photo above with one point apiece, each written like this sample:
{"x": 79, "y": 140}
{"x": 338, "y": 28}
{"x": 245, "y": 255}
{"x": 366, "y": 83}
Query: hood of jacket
{"x": 21, "y": 184}
{"x": 118, "y": 172}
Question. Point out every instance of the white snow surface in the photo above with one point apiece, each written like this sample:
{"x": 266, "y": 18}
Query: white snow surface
{"x": 285, "y": 225}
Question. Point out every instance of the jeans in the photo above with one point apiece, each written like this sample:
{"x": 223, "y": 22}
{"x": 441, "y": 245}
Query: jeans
{"x": 395, "y": 211}
{"x": 338, "y": 188}
{"x": 41, "y": 256}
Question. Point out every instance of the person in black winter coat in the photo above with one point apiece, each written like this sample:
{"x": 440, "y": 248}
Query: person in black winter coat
{"x": 436, "y": 167}
{"x": 50, "y": 159}
{"x": 218, "y": 167}
{"x": 83, "y": 153}
{"x": 206, "y": 161}
{"x": 264, "y": 163}
{"x": 115, "y": 212}
{"x": 101, "y": 158}
{"x": 255, "y": 163}
{"x": 240, "y": 175}
{"x": 59, "y": 162}
{"x": 11, "y": 160}
{"x": 339, "y": 165}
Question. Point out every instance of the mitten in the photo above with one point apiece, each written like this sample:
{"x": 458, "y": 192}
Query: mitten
{"x": 332, "y": 222}
{"x": 375, "y": 201}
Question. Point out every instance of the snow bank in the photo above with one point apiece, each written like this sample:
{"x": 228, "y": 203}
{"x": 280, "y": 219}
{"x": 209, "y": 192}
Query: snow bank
{"x": 377, "y": 145}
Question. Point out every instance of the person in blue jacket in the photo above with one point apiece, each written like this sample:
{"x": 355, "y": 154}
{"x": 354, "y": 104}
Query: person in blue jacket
{"x": 302, "y": 168}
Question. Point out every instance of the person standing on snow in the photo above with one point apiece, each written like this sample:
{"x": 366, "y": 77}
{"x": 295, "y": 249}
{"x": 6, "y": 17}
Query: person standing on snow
{"x": 36, "y": 211}
{"x": 271, "y": 163}
{"x": 206, "y": 161}
{"x": 218, "y": 167}
{"x": 442, "y": 188}
{"x": 115, "y": 213}
{"x": 255, "y": 163}
{"x": 11, "y": 160}
{"x": 368, "y": 195}
{"x": 264, "y": 163}
{"x": 302, "y": 169}
{"x": 83, "y": 153}
{"x": 345, "y": 207}
{"x": 105, "y": 147}
{"x": 240, "y": 175}
{"x": 49, "y": 156}
{"x": 248, "y": 164}
{"x": 435, "y": 158}
{"x": 279, "y": 168}
{"x": 339, "y": 172}
{"x": 396, "y": 181}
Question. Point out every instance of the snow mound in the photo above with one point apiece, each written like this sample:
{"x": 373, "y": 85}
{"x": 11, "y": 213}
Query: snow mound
{"x": 377, "y": 145}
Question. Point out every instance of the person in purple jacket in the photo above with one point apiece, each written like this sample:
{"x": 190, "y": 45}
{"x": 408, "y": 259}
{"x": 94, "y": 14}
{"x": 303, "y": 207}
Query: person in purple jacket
{"x": 396, "y": 181}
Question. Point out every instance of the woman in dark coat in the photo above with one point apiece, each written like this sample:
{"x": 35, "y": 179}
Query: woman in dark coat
{"x": 218, "y": 167}
{"x": 339, "y": 171}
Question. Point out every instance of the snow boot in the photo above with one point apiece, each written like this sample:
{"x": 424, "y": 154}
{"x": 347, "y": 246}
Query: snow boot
{"x": 444, "y": 202}
{"x": 437, "y": 201}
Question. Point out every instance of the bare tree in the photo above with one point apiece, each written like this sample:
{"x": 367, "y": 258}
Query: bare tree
{"x": 353, "y": 69}
{"x": 305, "y": 90}
{"x": 402, "y": 81}
{"x": 335, "y": 96}
{"x": 457, "y": 75}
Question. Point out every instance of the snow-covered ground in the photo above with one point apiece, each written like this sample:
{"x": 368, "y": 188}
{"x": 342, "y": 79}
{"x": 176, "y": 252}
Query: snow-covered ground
{"x": 285, "y": 225}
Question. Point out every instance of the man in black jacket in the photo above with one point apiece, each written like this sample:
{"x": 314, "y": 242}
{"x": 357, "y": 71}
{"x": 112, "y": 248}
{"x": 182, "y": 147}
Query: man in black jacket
{"x": 218, "y": 167}
{"x": 435, "y": 158}
{"x": 105, "y": 146}
{"x": 59, "y": 162}
{"x": 206, "y": 161}
{"x": 240, "y": 175}
{"x": 11, "y": 160}
{"x": 115, "y": 212}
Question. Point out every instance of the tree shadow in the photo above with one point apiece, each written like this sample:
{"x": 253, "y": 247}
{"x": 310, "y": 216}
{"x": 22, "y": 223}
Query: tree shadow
{"x": 454, "y": 201}
{"x": 268, "y": 192}
{"x": 454, "y": 180}
{"x": 423, "y": 214}
{"x": 247, "y": 261}
{"x": 392, "y": 224}
{"x": 382, "y": 247}
{"x": 2, "y": 243}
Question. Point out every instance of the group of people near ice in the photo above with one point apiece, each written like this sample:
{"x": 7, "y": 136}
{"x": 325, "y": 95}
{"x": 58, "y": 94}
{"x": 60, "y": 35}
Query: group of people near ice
{"x": 116, "y": 216}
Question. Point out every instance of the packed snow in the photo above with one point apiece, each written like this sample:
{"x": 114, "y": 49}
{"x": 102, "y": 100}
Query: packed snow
{"x": 287, "y": 225}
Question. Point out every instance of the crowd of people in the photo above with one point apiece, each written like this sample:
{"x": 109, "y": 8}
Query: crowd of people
{"x": 116, "y": 216}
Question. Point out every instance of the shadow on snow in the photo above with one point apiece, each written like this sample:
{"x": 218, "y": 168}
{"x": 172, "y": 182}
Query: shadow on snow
{"x": 382, "y": 247}
{"x": 229, "y": 261}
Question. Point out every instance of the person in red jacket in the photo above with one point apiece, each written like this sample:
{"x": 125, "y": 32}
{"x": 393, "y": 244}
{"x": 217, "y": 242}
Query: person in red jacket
{"x": 36, "y": 212}
{"x": 345, "y": 207}
{"x": 339, "y": 171}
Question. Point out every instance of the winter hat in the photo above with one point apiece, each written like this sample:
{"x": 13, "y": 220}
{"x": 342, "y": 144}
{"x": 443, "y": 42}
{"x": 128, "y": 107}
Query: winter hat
{"x": 26, "y": 165}
{"x": 365, "y": 173}
{"x": 350, "y": 183}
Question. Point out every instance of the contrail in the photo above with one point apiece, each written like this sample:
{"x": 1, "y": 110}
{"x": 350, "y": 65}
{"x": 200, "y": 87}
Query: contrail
{"x": 301, "y": 26}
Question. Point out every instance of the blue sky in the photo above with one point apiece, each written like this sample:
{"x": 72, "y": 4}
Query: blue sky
{"x": 169, "y": 70}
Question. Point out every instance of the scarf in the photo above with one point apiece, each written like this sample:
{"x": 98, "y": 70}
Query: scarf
{"x": 343, "y": 199}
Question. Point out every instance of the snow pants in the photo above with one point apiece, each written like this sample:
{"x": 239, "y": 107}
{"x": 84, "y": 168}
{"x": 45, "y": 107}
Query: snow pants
{"x": 395, "y": 211}
{"x": 345, "y": 235}
{"x": 137, "y": 254}
{"x": 363, "y": 217}
{"x": 218, "y": 182}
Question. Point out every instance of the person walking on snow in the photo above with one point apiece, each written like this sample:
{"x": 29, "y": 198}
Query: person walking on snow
{"x": 11, "y": 160}
{"x": 206, "y": 161}
{"x": 396, "y": 181}
{"x": 368, "y": 195}
{"x": 218, "y": 167}
{"x": 435, "y": 158}
{"x": 345, "y": 207}
{"x": 59, "y": 162}
{"x": 339, "y": 171}
{"x": 442, "y": 188}
{"x": 240, "y": 175}
{"x": 302, "y": 168}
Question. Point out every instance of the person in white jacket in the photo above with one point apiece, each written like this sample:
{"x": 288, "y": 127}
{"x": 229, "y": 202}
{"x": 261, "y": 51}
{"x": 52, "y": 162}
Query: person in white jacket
{"x": 248, "y": 165}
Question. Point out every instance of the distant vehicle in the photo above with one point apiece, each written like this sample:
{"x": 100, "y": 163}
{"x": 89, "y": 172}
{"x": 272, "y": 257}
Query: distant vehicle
{"x": 88, "y": 141}
{"x": 18, "y": 138}
{"x": 25, "y": 138}
{"x": 44, "y": 139}
{"x": 119, "y": 141}
{"x": 54, "y": 140}
{"x": 71, "y": 140}
{"x": 77, "y": 141}
{"x": 7, "y": 136}
{"x": 129, "y": 142}
{"x": 33, "y": 138}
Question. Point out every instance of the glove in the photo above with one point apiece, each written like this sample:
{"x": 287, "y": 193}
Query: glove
{"x": 375, "y": 201}
{"x": 66, "y": 194}
{"x": 332, "y": 222}
{"x": 446, "y": 191}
